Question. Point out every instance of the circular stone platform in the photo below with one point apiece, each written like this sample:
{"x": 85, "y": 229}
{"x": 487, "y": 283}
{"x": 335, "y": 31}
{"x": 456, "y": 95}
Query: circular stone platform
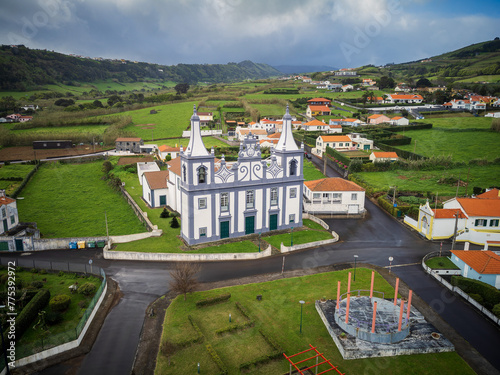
{"x": 360, "y": 320}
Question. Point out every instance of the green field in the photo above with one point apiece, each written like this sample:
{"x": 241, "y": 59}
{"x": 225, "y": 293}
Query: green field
{"x": 12, "y": 175}
{"x": 449, "y": 136}
{"x": 278, "y": 316}
{"x": 207, "y": 141}
{"x": 170, "y": 121}
{"x": 83, "y": 129}
{"x": 489, "y": 78}
{"x": 427, "y": 181}
{"x": 311, "y": 172}
{"x": 67, "y": 200}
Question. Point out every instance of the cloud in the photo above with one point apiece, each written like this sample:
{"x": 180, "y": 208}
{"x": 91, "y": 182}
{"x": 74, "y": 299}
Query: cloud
{"x": 291, "y": 32}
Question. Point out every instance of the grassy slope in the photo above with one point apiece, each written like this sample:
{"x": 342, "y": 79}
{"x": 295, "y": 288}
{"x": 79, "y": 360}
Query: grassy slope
{"x": 278, "y": 314}
{"x": 70, "y": 200}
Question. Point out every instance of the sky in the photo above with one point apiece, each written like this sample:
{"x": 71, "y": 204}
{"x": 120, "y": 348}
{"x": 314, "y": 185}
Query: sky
{"x": 335, "y": 33}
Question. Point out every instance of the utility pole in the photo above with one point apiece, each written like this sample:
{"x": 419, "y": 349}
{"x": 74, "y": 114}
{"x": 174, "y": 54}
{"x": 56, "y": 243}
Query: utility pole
{"x": 455, "y": 231}
{"x": 394, "y": 196}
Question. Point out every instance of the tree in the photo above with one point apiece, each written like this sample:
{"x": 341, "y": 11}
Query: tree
{"x": 174, "y": 223}
{"x": 184, "y": 279}
{"x": 386, "y": 82}
{"x": 424, "y": 82}
{"x": 181, "y": 88}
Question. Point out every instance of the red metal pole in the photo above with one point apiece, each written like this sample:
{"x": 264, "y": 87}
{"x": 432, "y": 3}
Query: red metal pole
{"x": 396, "y": 292}
{"x": 371, "y": 286}
{"x": 349, "y": 284}
{"x": 401, "y": 309}
{"x": 347, "y": 308}
{"x": 374, "y": 316}
{"x": 409, "y": 306}
{"x": 338, "y": 295}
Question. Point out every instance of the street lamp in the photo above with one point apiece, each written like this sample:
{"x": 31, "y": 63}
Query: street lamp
{"x": 301, "y": 304}
{"x": 355, "y": 259}
{"x": 291, "y": 240}
{"x": 390, "y": 263}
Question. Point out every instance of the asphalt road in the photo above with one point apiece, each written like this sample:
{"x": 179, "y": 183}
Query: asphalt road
{"x": 373, "y": 238}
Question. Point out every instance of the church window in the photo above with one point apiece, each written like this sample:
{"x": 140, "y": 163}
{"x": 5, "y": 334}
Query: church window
{"x": 274, "y": 196}
{"x": 250, "y": 199}
{"x": 293, "y": 168}
{"x": 224, "y": 202}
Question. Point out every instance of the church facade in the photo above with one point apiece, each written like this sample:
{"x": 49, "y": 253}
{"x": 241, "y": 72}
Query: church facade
{"x": 219, "y": 199}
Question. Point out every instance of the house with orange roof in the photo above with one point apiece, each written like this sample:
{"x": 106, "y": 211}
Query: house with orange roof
{"x": 318, "y": 110}
{"x": 164, "y": 151}
{"x": 345, "y": 121}
{"x": 319, "y": 101}
{"x": 241, "y": 133}
{"x": 9, "y": 217}
{"x": 333, "y": 196}
{"x": 477, "y": 219}
{"x": 346, "y": 88}
{"x": 399, "y": 120}
{"x": 404, "y": 98}
{"x": 478, "y": 265}
{"x": 378, "y": 119}
{"x": 375, "y": 99}
{"x": 155, "y": 188}
{"x": 338, "y": 142}
{"x": 316, "y": 125}
{"x": 382, "y": 156}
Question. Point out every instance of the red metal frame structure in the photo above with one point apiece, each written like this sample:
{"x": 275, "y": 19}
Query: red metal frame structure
{"x": 318, "y": 355}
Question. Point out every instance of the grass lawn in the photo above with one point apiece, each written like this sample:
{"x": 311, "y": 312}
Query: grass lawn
{"x": 207, "y": 141}
{"x": 31, "y": 341}
{"x": 424, "y": 181}
{"x": 13, "y": 171}
{"x": 69, "y": 200}
{"x": 169, "y": 121}
{"x": 441, "y": 263}
{"x": 311, "y": 172}
{"x": 312, "y": 224}
{"x": 56, "y": 131}
{"x": 269, "y": 109}
{"x": 299, "y": 237}
{"x": 278, "y": 316}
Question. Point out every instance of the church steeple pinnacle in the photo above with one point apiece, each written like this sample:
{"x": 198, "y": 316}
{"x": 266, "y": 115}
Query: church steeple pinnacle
{"x": 196, "y": 146}
{"x": 286, "y": 141}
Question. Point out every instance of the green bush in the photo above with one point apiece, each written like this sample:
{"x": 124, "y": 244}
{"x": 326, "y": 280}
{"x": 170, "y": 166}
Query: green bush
{"x": 496, "y": 310}
{"x": 477, "y": 297}
{"x": 34, "y": 270}
{"x": 30, "y": 311}
{"x": 60, "y": 302}
{"x": 216, "y": 359}
{"x": 174, "y": 223}
{"x": 37, "y": 284}
{"x": 234, "y": 327}
{"x": 53, "y": 317}
{"x": 87, "y": 289}
{"x": 61, "y": 273}
{"x": 490, "y": 294}
{"x": 164, "y": 214}
{"x": 214, "y": 300}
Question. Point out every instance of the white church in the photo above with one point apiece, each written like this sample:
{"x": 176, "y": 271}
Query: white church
{"x": 220, "y": 200}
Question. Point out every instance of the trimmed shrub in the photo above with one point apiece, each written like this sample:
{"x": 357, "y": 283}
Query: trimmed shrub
{"x": 477, "y": 298}
{"x": 87, "y": 289}
{"x": 60, "y": 302}
{"x": 490, "y": 295}
{"x": 174, "y": 223}
{"x": 216, "y": 359}
{"x": 31, "y": 310}
{"x": 496, "y": 310}
{"x": 37, "y": 284}
{"x": 213, "y": 300}
{"x": 53, "y": 317}
{"x": 164, "y": 214}
{"x": 234, "y": 327}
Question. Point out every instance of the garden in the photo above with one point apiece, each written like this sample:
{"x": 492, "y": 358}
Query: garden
{"x": 49, "y": 312}
{"x": 231, "y": 331}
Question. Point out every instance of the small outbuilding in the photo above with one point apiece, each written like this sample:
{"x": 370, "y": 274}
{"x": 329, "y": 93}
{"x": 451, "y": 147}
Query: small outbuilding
{"x": 129, "y": 144}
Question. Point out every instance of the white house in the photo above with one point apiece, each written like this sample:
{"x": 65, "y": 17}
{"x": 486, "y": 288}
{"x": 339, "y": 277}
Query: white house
{"x": 142, "y": 167}
{"x": 338, "y": 142}
{"x": 381, "y": 156}
{"x": 477, "y": 222}
{"x": 316, "y": 125}
{"x": 465, "y": 104}
{"x": 404, "y": 98}
{"x": 378, "y": 119}
{"x": 399, "y": 120}
{"x": 242, "y": 133}
{"x": 361, "y": 142}
{"x": 346, "y": 88}
{"x": 164, "y": 151}
{"x": 250, "y": 196}
{"x": 332, "y": 196}
{"x": 155, "y": 188}
{"x": 345, "y": 121}
{"x": 8, "y": 213}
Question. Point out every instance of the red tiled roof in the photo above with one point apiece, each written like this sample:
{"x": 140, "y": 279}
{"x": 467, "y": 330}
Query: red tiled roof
{"x": 483, "y": 262}
{"x": 480, "y": 207}
{"x": 406, "y": 97}
{"x": 332, "y": 184}
{"x": 314, "y": 123}
{"x": 275, "y": 135}
{"x": 175, "y": 166}
{"x": 322, "y": 108}
{"x": 165, "y": 148}
{"x": 319, "y": 100}
{"x": 448, "y": 213}
{"x": 490, "y": 194}
{"x": 385, "y": 154}
{"x": 335, "y": 138}
{"x": 156, "y": 180}
{"x": 6, "y": 201}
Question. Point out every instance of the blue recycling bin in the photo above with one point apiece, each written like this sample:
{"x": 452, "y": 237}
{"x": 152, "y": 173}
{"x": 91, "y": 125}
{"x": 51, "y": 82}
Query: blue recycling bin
{"x": 73, "y": 245}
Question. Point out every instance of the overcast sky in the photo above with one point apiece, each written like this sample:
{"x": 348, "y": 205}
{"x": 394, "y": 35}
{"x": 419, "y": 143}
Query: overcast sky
{"x": 337, "y": 33}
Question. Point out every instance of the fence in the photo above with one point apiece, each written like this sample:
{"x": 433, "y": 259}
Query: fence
{"x": 49, "y": 344}
{"x": 141, "y": 215}
{"x": 456, "y": 289}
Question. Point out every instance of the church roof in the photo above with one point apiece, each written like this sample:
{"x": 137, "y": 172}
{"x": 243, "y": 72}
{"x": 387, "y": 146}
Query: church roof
{"x": 157, "y": 180}
{"x": 286, "y": 141}
{"x": 196, "y": 147}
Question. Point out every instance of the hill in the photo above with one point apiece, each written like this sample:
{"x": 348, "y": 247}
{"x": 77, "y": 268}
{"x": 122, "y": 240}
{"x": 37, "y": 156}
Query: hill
{"x": 476, "y": 60}
{"x": 298, "y": 69}
{"x": 23, "y": 69}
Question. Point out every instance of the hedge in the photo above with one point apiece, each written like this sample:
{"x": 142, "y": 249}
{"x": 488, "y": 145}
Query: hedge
{"x": 490, "y": 294}
{"x": 214, "y": 300}
{"x": 386, "y": 205}
{"x": 216, "y": 359}
{"x": 60, "y": 302}
{"x": 30, "y": 311}
{"x": 234, "y": 327}
{"x": 25, "y": 181}
{"x": 277, "y": 353}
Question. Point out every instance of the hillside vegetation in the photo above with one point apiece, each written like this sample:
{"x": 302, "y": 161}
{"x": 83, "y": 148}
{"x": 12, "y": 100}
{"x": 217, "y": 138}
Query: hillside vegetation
{"x": 22, "y": 68}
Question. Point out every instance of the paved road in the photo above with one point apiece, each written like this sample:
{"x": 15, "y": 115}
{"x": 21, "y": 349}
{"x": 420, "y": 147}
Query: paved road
{"x": 373, "y": 239}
